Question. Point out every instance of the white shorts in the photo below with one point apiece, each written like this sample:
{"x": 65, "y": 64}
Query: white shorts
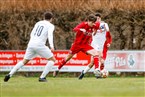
{"x": 97, "y": 47}
{"x": 42, "y": 51}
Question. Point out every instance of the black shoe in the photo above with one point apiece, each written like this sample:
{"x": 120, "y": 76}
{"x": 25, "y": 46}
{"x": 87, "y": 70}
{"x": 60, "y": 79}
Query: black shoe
{"x": 42, "y": 80}
{"x": 55, "y": 73}
{"x": 81, "y": 75}
{"x": 7, "y": 77}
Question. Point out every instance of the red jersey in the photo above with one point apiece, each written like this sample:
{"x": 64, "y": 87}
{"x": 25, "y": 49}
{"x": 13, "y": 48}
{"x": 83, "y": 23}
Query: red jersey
{"x": 81, "y": 37}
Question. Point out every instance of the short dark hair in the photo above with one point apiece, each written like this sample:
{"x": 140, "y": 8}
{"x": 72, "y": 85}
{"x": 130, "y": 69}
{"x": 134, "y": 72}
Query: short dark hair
{"x": 48, "y": 15}
{"x": 92, "y": 18}
{"x": 98, "y": 15}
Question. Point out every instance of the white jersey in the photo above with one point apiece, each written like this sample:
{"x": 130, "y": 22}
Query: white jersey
{"x": 100, "y": 37}
{"x": 42, "y": 31}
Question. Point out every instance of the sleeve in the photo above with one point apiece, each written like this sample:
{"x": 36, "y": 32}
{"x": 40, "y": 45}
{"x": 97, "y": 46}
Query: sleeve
{"x": 50, "y": 36}
{"x": 108, "y": 37}
{"x": 107, "y": 27}
{"x": 90, "y": 40}
{"x": 78, "y": 27}
{"x": 97, "y": 26}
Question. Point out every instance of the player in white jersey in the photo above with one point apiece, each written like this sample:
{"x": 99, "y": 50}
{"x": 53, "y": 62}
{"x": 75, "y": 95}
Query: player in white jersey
{"x": 101, "y": 40}
{"x": 42, "y": 31}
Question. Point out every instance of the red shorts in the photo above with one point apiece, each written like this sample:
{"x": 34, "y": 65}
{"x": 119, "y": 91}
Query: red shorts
{"x": 75, "y": 48}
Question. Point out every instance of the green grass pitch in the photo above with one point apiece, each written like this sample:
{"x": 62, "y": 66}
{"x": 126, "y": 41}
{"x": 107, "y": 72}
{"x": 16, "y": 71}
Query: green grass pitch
{"x": 19, "y": 86}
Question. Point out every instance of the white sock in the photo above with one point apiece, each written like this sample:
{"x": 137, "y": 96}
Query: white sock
{"x": 47, "y": 69}
{"x": 86, "y": 69}
{"x": 16, "y": 68}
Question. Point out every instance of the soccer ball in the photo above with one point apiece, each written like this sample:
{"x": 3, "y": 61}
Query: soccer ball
{"x": 104, "y": 73}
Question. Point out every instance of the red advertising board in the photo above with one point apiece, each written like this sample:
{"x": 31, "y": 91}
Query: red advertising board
{"x": 116, "y": 61}
{"x": 9, "y": 58}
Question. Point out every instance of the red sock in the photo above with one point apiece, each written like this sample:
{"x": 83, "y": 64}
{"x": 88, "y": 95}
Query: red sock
{"x": 61, "y": 64}
{"x": 102, "y": 67}
{"x": 96, "y": 62}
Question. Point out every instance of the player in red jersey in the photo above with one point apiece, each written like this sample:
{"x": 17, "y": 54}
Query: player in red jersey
{"x": 82, "y": 41}
{"x": 101, "y": 42}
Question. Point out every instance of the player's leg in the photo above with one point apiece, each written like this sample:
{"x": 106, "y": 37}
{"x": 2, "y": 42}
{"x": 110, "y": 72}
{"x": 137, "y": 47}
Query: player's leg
{"x": 90, "y": 65}
{"x": 102, "y": 64}
{"x": 65, "y": 60}
{"x": 16, "y": 68}
{"x": 96, "y": 60}
{"x": 96, "y": 55}
{"x": 104, "y": 58}
{"x": 28, "y": 56}
{"x": 45, "y": 52}
{"x": 91, "y": 51}
{"x": 46, "y": 70}
{"x": 73, "y": 50}
{"x": 62, "y": 63}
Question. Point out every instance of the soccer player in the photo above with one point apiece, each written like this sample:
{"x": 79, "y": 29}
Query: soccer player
{"x": 42, "y": 31}
{"x": 82, "y": 41}
{"x": 101, "y": 42}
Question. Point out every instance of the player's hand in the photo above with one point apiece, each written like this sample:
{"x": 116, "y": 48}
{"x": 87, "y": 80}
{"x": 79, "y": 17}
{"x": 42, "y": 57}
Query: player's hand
{"x": 94, "y": 32}
{"x": 83, "y": 30}
{"x": 52, "y": 49}
{"x": 108, "y": 45}
{"x": 100, "y": 30}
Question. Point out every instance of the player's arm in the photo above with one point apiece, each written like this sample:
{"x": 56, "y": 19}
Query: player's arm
{"x": 90, "y": 40}
{"x": 108, "y": 38}
{"x": 96, "y": 27}
{"x": 50, "y": 37}
{"x": 80, "y": 27}
{"x": 106, "y": 28}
